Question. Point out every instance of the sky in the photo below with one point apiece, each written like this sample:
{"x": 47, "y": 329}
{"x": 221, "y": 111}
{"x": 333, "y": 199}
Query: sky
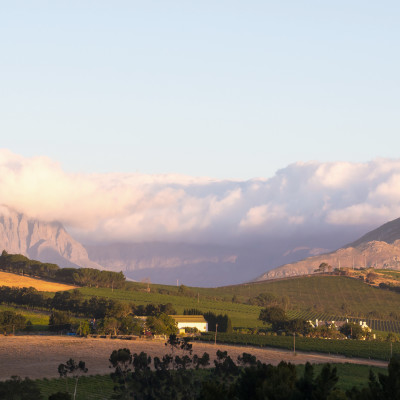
{"x": 211, "y": 90}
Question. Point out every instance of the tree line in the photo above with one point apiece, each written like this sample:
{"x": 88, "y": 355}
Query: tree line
{"x": 181, "y": 375}
{"x": 75, "y": 302}
{"x": 19, "y": 264}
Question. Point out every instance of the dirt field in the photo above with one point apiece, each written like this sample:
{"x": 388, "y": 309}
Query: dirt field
{"x": 39, "y": 356}
{"x": 7, "y": 279}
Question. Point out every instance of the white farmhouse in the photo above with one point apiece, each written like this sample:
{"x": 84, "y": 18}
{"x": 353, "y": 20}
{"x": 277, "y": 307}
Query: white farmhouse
{"x": 190, "y": 321}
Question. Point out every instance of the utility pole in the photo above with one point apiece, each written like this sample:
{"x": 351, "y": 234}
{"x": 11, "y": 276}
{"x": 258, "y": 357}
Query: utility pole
{"x": 216, "y": 330}
{"x": 294, "y": 342}
{"x": 198, "y": 298}
{"x": 177, "y": 282}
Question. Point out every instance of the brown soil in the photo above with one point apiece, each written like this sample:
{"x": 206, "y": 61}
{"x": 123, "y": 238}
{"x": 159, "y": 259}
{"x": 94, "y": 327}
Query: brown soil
{"x": 39, "y": 356}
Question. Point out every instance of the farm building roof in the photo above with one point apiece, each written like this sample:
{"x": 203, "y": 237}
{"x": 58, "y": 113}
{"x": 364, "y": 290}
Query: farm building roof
{"x": 188, "y": 318}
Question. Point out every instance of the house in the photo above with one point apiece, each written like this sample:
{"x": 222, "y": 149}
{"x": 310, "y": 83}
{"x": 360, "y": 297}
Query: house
{"x": 190, "y": 321}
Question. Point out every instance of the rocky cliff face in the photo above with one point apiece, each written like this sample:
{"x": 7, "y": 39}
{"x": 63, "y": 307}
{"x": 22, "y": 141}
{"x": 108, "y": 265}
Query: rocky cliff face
{"x": 379, "y": 248}
{"x": 46, "y": 242}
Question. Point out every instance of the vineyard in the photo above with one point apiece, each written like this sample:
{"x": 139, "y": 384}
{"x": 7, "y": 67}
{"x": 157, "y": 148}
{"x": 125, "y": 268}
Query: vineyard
{"x": 374, "y": 324}
{"x": 242, "y": 315}
{"x": 349, "y": 348}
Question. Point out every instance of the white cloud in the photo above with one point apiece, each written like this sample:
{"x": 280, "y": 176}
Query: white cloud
{"x": 139, "y": 207}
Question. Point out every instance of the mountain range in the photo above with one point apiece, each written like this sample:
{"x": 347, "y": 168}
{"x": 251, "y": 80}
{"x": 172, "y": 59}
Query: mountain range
{"x": 200, "y": 264}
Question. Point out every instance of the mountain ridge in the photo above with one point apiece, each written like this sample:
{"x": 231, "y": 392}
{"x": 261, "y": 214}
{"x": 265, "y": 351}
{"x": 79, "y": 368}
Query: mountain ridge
{"x": 379, "y": 248}
{"x": 44, "y": 241}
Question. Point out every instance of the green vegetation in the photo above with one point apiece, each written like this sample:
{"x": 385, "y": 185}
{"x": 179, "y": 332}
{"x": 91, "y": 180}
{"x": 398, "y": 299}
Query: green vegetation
{"x": 349, "y": 348}
{"x": 183, "y": 376}
{"x": 100, "y": 387}
{"x": 39, "y": 319}
{"x": 97, "y": 387}
{"x": 242, "y": 315}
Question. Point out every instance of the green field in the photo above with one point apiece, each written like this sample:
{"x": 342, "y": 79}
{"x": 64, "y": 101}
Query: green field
{"x": 242, "y": 315}
{"x": 334, "y": 295}
{"x": 323, "y": 297}
{"x": 39, "y": 319}
{"x": 324, "y": 293}
{"x": 349, "y": 348}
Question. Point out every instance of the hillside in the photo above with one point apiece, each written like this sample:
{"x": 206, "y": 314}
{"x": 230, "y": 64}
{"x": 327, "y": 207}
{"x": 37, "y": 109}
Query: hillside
{"x": 379, "y": 248}
{"x": 20, "y": 281}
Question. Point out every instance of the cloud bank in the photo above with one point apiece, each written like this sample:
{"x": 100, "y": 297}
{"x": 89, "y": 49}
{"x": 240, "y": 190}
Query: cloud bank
{"x": 138, "y": 207}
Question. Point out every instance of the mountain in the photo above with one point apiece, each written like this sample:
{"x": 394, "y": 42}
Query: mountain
{"x": 379, "y": 248}
{"x": 43, "y": 241}
{"x": 388, "y": 233}
{"x": 196, "y": 264}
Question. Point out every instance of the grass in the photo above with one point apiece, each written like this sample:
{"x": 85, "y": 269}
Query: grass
{"x": 332, "y": 294}
{"x": 349, "y": 348}
{"x": 39, "y": 319}
{"x": 8, "y": 279}
{"x": 350, "y": 375}
{"x": 242, "y": 315}
{"x": 395, "y": 275}
{"x": 96, "y": 387}
{"x": 323, "y": 297}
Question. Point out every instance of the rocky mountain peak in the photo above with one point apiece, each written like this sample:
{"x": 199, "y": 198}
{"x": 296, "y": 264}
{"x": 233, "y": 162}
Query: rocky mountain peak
{"x": 43, "y": 241}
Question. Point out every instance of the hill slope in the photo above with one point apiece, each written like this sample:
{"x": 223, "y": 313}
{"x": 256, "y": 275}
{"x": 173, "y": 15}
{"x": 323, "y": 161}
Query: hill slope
{"x": 20, "y": 281}
{"x": 379, "y": 248}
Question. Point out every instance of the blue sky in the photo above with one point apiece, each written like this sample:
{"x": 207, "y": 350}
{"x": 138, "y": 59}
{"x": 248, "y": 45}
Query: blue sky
{"x": 225, "y": 89}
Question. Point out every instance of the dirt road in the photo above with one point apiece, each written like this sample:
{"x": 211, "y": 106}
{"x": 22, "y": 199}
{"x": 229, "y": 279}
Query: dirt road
{"x": 39, "y": 356}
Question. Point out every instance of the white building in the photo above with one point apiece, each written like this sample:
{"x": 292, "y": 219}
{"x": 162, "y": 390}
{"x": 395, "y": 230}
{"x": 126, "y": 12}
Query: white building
{"x": 190, "y": 321}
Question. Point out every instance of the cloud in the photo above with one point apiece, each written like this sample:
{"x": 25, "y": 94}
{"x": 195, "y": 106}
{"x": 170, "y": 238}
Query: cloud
{"x": 139, "y": 207}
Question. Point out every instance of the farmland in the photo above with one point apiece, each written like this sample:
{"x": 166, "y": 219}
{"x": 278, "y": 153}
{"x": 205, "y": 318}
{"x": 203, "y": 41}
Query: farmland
{"x": 348, "y": 348}
{"x": 314, "y": 297}
{"x": 39, "y": 356}
{"x": 9, "y": 279}
{"x": 242, "y": 315}
{"x": 318, "y": 297}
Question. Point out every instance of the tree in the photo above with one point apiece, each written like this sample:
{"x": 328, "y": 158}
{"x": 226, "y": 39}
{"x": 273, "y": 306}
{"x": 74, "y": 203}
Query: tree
{"x": 59, "y": 321}
{"x": 74, "y": 369}
{"x": 10, "y": 321}
{"x": 121, "y": 360}
{"x": 84, "y": 328}
{"x": 265, "y": 300}
{"x": 355, "y": 331}
{"x": 162, "y": 324}
{"x": 372, "y": 277}
{"x": 18, "y": 389}
{"x": 273, "y": 315}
